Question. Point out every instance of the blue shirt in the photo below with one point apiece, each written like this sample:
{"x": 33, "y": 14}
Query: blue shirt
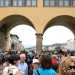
{"x": 45, "y": 72}
{"x": 23, "y": 67}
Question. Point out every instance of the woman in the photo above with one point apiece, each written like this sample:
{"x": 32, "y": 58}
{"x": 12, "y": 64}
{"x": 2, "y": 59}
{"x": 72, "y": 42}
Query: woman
{"x": 35, "y": 64}
{"x": 28, "y": 61}
{"x": 67, "y": 66}
{"x": 14, "y": 61}
{"x": 45, "y": 69}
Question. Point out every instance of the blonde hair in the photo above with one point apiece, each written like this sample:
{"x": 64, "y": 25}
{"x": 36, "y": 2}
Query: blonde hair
{"x": 63, "y": 67}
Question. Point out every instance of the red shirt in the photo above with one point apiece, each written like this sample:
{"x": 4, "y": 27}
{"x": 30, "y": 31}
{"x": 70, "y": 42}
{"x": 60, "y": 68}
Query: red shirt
{"x": 55, "y": 61}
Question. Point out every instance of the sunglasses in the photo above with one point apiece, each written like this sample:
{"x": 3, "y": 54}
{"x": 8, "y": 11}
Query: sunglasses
{"x": 71, "y": 67}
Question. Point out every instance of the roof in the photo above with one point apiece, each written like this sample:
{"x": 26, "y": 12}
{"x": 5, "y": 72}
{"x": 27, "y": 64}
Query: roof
{"x": 11, "y": 35}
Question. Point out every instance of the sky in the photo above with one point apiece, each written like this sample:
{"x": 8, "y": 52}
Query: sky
{"x": 54, "y": 34}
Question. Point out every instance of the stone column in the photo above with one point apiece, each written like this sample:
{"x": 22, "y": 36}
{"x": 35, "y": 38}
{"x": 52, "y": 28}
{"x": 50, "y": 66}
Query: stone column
{"x": 2, "y": 41}
{"x": 39, "y": 42}
{"x": 74, "y": 43}
{"x": 7, "y": 42}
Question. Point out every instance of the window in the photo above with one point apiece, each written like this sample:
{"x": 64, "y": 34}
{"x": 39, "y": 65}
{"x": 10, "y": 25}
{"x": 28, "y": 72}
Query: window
{"x": 66, "y": 2}
{"x": 20, "y": 2}
{"x": 46, "y": 3}
{"x": 28, "y": 3}
{"x": 59, "y": 3}
{"x": 31, "y": 2}
{"x": 14, "y": 3}
{"x": 6, "y": 2}
{"x": 63, "y": 2}
{"x": 49, "y": 2}
{"x": 52, "y": 2}
{"x": 73, "y": 2}
{"x": 17, "y": 2}
{"x": 1, "y": 2}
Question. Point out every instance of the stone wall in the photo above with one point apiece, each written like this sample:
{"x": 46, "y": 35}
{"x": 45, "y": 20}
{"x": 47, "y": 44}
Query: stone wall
{"x": 2, "y": 40}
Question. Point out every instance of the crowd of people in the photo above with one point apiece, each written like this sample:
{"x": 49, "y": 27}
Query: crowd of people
{"x": 31, "y": 63}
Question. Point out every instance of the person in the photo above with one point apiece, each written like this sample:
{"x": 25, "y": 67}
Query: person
{"x": 31, "y": 54}
{"x": 1, "y": 66}
{"x": 14, "y": 61}
{"x": 54, "y": 59}
{"x": 55, "y": 67}
{"x": 6, "y": 63}
{"x": 23, "y": 67}
{"x": 35, "y": 64}
{"x": 45, "y": 69}
{"x": 67, "y": 66}
{"x": 28, "y": 61}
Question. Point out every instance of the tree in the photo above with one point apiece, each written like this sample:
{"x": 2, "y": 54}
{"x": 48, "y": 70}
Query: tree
{"x": 57, "y": 48}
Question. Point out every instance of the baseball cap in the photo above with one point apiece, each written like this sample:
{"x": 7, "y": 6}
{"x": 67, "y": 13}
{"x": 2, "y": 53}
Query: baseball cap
{"x": 35, "y": 61}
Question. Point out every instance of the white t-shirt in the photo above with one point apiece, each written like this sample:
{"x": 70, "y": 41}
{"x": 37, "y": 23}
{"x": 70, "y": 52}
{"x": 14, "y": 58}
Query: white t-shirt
{"x": 5, "y": 71}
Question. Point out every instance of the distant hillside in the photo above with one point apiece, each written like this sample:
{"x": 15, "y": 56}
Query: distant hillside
{"x": 45, "y": 46}
{"x": 28, "y": 46}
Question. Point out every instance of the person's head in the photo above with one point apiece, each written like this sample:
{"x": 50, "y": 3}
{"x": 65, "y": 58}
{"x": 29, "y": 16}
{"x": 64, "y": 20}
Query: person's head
{"x": 67, "y": 66}
{"x": 7, "y": 61}
{"x": 54, "y": 56}
{"x": 35, "y": 64}
{"x": 46, "y": 62}
{"x": 18, "y": 53}
{"x": 1, "y": 63}
{"x": 14, "y": 59}
{"x": 22, "y": 58}
{"x": 55, "y": 66}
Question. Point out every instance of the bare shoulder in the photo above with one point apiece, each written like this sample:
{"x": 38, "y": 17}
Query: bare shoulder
{"x": 17, "y": 73}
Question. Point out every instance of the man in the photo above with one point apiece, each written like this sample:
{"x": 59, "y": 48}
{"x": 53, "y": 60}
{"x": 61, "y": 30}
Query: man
{"x": 54, "y": 59}
{"x": 31, "y": 54}
{"x": 23, "y": 67}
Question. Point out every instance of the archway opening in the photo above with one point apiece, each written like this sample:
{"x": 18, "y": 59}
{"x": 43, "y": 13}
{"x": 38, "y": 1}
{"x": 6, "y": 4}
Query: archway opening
{"x": 9, "y": 22}
{"x": 23, "y": 36}
{"x": 56, "y": 36}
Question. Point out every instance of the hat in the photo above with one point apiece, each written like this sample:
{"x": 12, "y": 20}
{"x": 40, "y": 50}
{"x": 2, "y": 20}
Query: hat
{"x": 35, "y": 61}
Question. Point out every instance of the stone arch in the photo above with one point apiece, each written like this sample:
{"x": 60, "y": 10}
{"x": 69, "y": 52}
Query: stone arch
{"x": 9, "y": 22}
{"x": 15, "y": 19}
{"x": 62, "y": 20}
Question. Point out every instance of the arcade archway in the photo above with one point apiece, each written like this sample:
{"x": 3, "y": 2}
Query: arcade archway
{"x": 7, "y": 24}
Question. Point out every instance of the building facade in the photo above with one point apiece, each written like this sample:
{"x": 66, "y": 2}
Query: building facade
{"x": 20, "y": 46}
{"x": 15, "y": 44}
{"x": 69, "y": 45}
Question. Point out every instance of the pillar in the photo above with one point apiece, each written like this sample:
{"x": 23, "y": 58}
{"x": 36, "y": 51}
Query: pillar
{"x": 39, "y": 42}
{"x": 7, "y": 47}
{"x": 2, "y": 41}
{"x": 74, "y": 43}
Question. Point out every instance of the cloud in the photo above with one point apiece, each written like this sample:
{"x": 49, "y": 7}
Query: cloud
{"x": 25, "y": 33}
{"x": 55, "y": 34}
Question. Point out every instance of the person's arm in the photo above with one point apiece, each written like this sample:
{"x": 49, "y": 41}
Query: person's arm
{"x": 1, "y": 71}
{"x": 18, "y": 73}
